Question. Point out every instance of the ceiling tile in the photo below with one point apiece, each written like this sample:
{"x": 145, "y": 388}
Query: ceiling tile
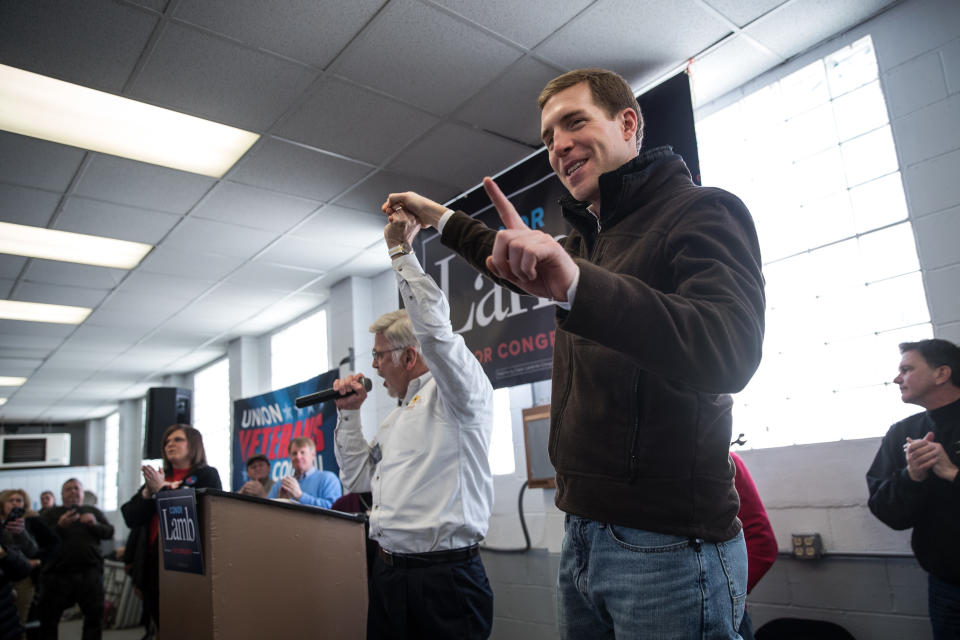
{"x": 11, "y": 266}
{"x": 209, "y": 317}
{"x": 176, "y": 340}
{"x": 18, "y": 366}
{"x": 423, "y": 56}
{"x": 56, "y": 294}
{"x": 280, "y": 313}
{"x": 110, "y": 338}
{"x": 98, "y": 218}
{"x": 137, "y": 321}
{"x": 6, "y": 286}
{"x": 306, "y": 30}
{"x": 38, "y": 163}
{"x": 22, "y": 205}
{"x": 191, "y": 264}
{"x": 743, "y": 12}
{"x": 163, "y": 288}
{"x": 141, "y": 185}
{"x": 253, "y": 207}
{"x": 292, "y": 169}
{"x": 94, "y": 43}
{"x": 369, "y": 263}
{"x": 195, "y": 234}
{"x": 460, "y": 156}
{"x": 307, "y": 254}
{"x": 195, "y": 360}
{"x": 262, "y": 275}
{"x": 231, "y": 295}
{"x": 71, "y": 274}
{"x": 638, "y": 59}
{"x": 142, "y": 303}
{"x": 728, "y": 67}
{"x": 344, "y": 119}
{"x": 18, "y": 351}
{"x": 210, "y": 77}
{"x": 348, "y": 227}
{"x": 39, "y": 330}
{"x": 789, "y": 31}
{"x": 89, "y": 359}
{"x": 508, "y": 106}
{"x": 525, "y": 23}
{"x": 373, "y": 192}
{"x": 10, "y": 341}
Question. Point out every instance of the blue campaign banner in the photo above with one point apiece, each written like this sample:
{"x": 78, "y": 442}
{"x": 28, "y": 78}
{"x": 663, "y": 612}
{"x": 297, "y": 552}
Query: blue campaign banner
{"x": 179, "y": 531}
{"x": 265, "y": 424}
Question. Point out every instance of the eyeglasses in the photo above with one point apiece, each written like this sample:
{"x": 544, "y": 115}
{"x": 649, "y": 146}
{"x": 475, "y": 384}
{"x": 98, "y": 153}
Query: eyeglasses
{"x": 379, "y": 354}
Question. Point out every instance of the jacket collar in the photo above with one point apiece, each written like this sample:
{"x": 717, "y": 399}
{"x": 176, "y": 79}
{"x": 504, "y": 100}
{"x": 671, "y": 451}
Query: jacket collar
{"x": 638, "y": 173}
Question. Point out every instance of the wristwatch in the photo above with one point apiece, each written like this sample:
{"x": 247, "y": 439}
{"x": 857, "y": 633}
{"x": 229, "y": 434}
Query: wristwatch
{"x": 402, "y": 249}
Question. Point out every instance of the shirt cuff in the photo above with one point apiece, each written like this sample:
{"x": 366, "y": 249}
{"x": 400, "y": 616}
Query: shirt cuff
{"x": 441, "y": 223}
{"x": 405, "y": 262}
{"x": 571, "y": 292}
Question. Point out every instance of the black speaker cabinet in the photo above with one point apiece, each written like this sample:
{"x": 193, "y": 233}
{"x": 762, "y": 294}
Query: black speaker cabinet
{"x": 165, "y": 406}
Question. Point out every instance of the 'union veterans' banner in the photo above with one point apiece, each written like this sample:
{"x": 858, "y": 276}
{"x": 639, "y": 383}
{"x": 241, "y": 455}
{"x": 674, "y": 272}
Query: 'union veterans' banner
{"x": 512, "y": 335}
{"x": 266, "y": 424}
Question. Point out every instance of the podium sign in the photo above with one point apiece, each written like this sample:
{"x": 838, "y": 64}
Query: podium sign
{"x": 179, "y": 531}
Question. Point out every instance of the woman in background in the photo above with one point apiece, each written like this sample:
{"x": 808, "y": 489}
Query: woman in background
{"x": 184, "y": 466}
{"x": 32, "y": 537}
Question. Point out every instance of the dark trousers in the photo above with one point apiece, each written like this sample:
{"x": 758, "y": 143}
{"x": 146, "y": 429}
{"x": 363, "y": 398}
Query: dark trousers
{"x": 944, "y": 609}
{"x": 60, "y": 590}
{"x": 438, "y": 601}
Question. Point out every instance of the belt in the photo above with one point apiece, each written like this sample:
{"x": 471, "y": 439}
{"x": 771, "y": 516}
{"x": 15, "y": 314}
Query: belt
{"x": 420, "y": 560}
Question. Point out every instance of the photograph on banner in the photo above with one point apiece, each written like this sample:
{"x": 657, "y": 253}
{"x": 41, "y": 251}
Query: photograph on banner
{"x": 265, "y": 424}
{"x": 512, "y": 335}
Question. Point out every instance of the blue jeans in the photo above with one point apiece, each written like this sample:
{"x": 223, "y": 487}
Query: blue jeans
{"x": 944, "y": 608}
{"x": 618, "y": 582}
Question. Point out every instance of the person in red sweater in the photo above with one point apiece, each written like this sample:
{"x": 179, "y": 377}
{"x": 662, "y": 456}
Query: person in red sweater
{"x": 757, "y": 532}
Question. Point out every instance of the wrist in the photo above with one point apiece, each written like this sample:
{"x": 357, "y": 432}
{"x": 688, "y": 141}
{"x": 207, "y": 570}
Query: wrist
{"x": 400, "y": 249}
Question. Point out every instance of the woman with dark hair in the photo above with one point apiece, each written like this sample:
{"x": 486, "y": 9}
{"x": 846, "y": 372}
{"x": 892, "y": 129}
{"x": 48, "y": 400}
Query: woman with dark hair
{"x": 184, "y": 466}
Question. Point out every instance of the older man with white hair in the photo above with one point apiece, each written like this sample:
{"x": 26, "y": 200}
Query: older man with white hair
{"x": 427, "y": 465}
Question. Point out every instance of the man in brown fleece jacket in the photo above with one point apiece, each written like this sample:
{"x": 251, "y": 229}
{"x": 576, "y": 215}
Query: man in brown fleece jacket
{"x": 660, "y": 308}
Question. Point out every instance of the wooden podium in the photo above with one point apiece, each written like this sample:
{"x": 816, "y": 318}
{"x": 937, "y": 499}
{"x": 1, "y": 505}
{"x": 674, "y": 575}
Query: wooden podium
{"x": 271, "y": 570}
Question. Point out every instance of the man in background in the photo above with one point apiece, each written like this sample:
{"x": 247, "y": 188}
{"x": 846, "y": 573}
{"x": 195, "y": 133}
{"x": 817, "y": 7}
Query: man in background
{"x": 913, "y": 479}
{"x": 260, "y": 482}
{"x": 308, "y": 485}
{"x": 47, "y": 500}
{"x": 75, "y": 572}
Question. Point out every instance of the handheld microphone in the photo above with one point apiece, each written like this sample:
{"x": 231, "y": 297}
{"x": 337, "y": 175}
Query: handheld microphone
{"x": 328, "y": 394}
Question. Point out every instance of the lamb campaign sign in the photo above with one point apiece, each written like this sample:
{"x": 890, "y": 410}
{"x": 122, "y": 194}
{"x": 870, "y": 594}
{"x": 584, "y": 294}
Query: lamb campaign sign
{"x": 512, "y": 335}
{"x": 265, "y": 424}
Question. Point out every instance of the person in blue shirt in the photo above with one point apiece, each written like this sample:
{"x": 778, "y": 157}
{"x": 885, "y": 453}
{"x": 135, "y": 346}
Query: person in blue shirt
{"x": 308, "y": 485}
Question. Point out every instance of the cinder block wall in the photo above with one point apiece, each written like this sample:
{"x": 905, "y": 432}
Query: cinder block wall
{"x": 816, "y": 487}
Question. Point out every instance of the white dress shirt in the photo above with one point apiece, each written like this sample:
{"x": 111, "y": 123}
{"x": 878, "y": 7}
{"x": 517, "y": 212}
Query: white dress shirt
{"x": 427, "y": 466}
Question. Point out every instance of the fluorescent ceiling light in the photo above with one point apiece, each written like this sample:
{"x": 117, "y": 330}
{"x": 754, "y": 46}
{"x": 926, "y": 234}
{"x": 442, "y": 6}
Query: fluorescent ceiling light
{"x": 41, "y": 107}
{"x": 36, "y": 312}
{"x": 11, "y": 381}
{"x": 3, "y": 401}
{"x": 37, "y": 242}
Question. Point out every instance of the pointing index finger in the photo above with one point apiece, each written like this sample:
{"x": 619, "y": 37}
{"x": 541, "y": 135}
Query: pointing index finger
{"x": 508, "y": 213}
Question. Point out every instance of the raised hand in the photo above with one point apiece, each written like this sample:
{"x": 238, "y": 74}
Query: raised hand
{"x": 531, "y": 260}
{"x": 402, "y": 227}
{"x": 426, "y": 211}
